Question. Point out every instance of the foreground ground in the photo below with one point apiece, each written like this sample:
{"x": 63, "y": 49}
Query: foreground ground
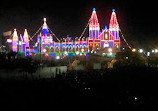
{"x": 127, "y": 88}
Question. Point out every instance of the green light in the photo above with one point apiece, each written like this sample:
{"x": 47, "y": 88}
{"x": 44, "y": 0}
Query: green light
{"x": 47, "y": 46}
{"x": 57, "y": 54}
{"x": 73, "y": 54}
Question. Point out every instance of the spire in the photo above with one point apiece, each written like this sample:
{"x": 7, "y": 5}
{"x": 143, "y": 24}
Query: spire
{"x": 15, "y": 41}
{"x": 94, "y": 19}
{"x": 15, "y": 35}
{"x": 26, "y": 36}
{"x": 45, "y": 27}
{"x": 94, "y": 28}
{"x": 113, "y": 20}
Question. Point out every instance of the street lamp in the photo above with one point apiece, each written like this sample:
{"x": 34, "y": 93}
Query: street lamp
{"x": 148, "y": 55}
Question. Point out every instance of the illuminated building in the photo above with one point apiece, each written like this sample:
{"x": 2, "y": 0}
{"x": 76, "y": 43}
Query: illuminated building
{"x": 49, "y": 44}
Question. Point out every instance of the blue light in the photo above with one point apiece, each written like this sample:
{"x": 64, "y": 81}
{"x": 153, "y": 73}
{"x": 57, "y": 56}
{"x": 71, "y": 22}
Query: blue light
{"x": 45, "y": 31}
{"x": 27, "y": 53}
{"x": 70, "y": 54}
{"x": 106, "y": 27}
{"x": 94, "y": 9}
{"x": 113, "y": 10}
{"x": 52, "y": 54}
{"x": 87, "y": 54}
{"x": 111, "y": 44}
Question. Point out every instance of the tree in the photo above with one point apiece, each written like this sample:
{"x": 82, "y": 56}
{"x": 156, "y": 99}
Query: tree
{"x": 129, "y": 58}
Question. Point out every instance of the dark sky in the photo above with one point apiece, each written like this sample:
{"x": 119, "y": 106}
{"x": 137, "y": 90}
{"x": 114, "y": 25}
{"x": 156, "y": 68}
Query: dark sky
{"x": 137, "y": 18}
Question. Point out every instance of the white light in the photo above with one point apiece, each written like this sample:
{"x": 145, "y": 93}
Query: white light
{"x": 44, "y": 50}
{"x": 44, "y": 19}
{"x": 148, "y": 54}
{"x": 126, "y": 57}
{"x": 104, "y": 54}
{"x": 77, "y": 53}
{"x": 133, "y": 50}
{"x": 110, "y": 49}
{"x": 153, "y": 51}
{"x": 65, "y": 53}
{"x": 9, "y": 40}
{"x": 110, "y": 53}
{"x": 156, "y": 50}
{"x": 141, "y": 50}
{"x": 135, "y": 98}
{"x": 82, "y": 50}
{"x": 58, "y": 57}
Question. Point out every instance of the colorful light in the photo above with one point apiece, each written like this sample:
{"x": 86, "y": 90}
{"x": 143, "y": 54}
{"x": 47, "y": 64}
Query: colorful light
{"x": 45, "y": 27}
{"x": 25, "y": 40}
{"x": 114, "y": 26}
{"x": 94, "y": 28}
{"x": 45, "y": 42}
{"x": 15, "y": 41}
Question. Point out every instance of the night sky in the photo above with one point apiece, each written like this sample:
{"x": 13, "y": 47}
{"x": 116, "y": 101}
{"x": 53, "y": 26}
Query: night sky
{"x": 137, "y": 19}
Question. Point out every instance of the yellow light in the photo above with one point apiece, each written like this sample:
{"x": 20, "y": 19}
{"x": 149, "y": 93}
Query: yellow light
{"x": 110, "y": 50}
{"x": 133, "y": 50}
{"x": 46, "y": 54}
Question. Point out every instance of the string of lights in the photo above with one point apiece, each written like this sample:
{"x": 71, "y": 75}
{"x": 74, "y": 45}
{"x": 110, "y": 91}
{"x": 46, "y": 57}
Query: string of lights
{"x": 125, "y": 40}
{"x": 53, "y": 33}
{"x": 31, "y": 38}
{"x": 85, "y": 29}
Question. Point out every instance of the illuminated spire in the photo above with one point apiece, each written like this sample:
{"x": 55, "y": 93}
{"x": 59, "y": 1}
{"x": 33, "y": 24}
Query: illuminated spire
{"x": 94, "y": 28}
{"x": 94, "y": 19}
{"x": 114, "y": 26}
{"x": 45, "y": 27}
{"x": 113, "y": 20}
{"x": 26, "y": 38}
{"x": 15, "y": 35}
{"x": 15, "y": 41}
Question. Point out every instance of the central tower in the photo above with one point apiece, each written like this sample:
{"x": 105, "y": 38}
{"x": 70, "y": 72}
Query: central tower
{"x": 94, "y": 31}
